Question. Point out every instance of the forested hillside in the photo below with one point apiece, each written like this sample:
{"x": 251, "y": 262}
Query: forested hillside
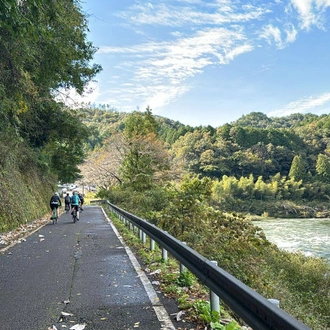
{"x": 253, "y": 159}
{"x": 43, "y": 52}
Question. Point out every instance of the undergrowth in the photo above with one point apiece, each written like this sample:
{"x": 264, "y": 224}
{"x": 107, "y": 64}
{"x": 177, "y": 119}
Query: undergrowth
{"x": 190, "y": 295}
{"x": 25, "y": 190}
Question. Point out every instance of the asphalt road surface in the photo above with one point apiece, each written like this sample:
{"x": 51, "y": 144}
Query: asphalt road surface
{"x": 76, "y": 276}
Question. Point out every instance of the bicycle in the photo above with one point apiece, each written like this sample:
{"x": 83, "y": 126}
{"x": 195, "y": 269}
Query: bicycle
{"x": 67, "y": 208}
{"x": 74, "y": 215}
{"x": 54, "y": 216}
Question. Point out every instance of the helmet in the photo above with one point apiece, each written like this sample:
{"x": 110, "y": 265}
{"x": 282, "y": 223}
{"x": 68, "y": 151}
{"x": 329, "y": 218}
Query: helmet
{"x": 56, "y": 193}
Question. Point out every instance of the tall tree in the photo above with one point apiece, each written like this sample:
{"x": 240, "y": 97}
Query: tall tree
{"x": 44, "y": 50}
{"x": 297, "y": 170}
{"x": 323, "y": 167}
{"x": 145, "y": 155}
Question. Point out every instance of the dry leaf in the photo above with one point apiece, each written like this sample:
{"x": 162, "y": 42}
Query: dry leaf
{"x": 157, "y": 271}
{"x": 66, "y": 314}
{"x": 78, "y": 327}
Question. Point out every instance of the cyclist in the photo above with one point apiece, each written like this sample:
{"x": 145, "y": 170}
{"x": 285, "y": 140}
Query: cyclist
{"x": 67, "y": 202}
{"x": 75, "y": 203}
{"x": 81, "y": 197}
{"x": 55, "y": 202}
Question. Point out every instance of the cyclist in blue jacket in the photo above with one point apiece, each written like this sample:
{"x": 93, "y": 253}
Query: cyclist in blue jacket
{"x": 75, "y": 203}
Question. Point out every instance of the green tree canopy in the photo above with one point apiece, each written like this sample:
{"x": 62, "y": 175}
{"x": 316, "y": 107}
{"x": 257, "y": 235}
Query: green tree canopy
{"x": 43, "y": 51}
{"x": 297, "y": 170}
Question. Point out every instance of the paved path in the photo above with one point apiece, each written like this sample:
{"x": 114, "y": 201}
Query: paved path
{"x": 81, "y": 269}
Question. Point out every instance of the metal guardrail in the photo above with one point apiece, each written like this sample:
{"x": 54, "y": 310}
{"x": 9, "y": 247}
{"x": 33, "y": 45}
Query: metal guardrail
{"x": 254, "y": 309}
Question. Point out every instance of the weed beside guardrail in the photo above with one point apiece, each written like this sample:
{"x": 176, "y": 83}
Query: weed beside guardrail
{"x": 254, "y": 309}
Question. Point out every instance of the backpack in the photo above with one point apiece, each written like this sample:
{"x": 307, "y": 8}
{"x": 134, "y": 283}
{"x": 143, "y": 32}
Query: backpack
{"x": 54, "y": 200}
{"x": 75, "y": 200}
{"x": 67, "y": 199}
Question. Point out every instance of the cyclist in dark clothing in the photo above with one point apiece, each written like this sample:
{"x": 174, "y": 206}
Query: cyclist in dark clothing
{"x": 55, "y": 202}
{"x": 81, "y": 197}
{"x": 67, "y": 202}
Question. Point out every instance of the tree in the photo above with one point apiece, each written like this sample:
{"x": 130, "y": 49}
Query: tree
{"x": 43, "y": 50}
{"x": 297, "y": 170}
{"x": 323, "y": 167}
{"x": 140, "y": 124}
{"x": 146, "y": 158}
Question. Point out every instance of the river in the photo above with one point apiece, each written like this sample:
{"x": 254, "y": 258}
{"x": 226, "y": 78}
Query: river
{"x": 310, "y": 236}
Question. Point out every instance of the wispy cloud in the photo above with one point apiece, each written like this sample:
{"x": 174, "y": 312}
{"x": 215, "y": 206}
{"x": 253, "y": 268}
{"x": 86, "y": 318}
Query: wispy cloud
{"x": 281, "y": 37}
{"x": 196, "y": 34}
{"x": 304, "y": 105}
{"x": 210, "y": 13}
{"x": 311, "y": 12}
{"x": 167, "y": 65}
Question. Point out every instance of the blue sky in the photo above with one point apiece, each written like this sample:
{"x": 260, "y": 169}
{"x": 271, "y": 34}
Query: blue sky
{"x": 210, "y": 62}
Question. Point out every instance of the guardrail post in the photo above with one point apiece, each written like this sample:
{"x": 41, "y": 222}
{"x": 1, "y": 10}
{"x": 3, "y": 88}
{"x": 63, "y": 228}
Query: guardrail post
{"x": 152, "y": 244}
{"x": 140, "y": 234}
{"x": 164, "y": 255}
{"x": 144, "y": 237}
{"x": 182, "y": 267}
{"x": 214, "y": 299}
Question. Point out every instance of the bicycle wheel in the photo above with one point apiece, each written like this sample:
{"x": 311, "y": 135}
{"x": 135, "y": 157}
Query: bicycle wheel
{"x": 74, "y": 216}
{"x": 54, "y": 217}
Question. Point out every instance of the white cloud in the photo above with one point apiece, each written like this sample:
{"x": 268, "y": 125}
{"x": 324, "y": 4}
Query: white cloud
{"x": 224, "y": 12}
{"x": 195, "y": 34}
{"x": 164, "y": 66}
{"x": 311, "y": 12}
{"x": 302, "y": 106}
{"x": 272, "y": 33}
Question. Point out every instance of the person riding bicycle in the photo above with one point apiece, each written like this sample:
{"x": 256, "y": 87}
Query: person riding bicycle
{"x": 81, "y": 197}
{"x": 55, "y": 202}
{"x": 75, "y": 203}
{"x": 67, "y": 202}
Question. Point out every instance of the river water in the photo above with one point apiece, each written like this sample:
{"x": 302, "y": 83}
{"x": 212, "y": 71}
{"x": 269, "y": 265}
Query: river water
{"x": 310, "y": 236}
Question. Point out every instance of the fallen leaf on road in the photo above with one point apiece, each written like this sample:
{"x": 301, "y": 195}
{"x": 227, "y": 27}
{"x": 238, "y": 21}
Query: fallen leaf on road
{"x": 41, "y": 236}
{"x": 66, "y": 314}
{"x": 66, "y": 302}
{"x": 78, "y": 327}
{"x": 103, "y": 318}
{"x": 136, "y": 324}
